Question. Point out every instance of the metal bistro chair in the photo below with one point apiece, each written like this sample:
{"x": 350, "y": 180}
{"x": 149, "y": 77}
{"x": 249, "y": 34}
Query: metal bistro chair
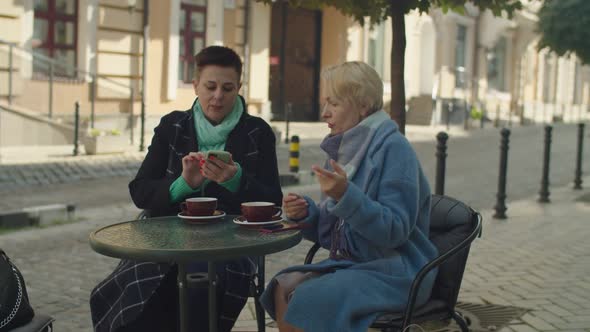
{"x": 256, "y": 283}
{"x": 453, "y": 227}
{"x": 40, "y": 323}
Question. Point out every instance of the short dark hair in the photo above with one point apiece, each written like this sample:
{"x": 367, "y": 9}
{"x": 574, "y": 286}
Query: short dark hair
{"x": 219, "y": 56}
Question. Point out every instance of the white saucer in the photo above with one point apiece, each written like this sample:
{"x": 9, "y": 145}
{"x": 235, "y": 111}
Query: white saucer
{"x": 216, "y": 215}
{"x": 242, "y": 221}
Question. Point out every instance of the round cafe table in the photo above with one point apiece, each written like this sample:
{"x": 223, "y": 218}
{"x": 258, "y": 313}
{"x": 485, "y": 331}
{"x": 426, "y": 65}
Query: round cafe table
{"x": 171, "y": 239}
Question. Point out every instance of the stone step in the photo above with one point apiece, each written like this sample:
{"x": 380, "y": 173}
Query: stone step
{"x": 40, "y": 215}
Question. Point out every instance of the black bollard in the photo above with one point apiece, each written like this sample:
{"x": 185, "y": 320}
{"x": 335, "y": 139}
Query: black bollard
{"x": 294, "y": 154}
{"x": 441, "y": 155}
{"x": 544, "y": 192}
{"x": 578, "y": 173}
{"x": 500, "y": 206}
{"x": 76, "y": 127}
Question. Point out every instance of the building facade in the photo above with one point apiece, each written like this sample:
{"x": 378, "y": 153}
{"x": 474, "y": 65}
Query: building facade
{"x": 453, "y": 62}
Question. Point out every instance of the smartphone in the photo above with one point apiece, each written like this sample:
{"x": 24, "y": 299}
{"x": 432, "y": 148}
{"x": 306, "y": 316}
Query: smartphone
{"x": 221, "y": 155}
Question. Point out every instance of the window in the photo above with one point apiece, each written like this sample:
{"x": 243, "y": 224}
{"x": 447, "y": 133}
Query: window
{"x": 55, "y": 34}
{"x": 193, "y": 19}
{"x": 497, "y": 66}
{"x": 375, "y": 48}
{"x": 460, "y": 55}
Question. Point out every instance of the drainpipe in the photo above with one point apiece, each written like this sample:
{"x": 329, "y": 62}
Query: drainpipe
{"x": 146, "y": 29}
{"x": 516, "y": 70}
{"x": 246, "y": 74}
{"x": 282, "y": 104}
{"x": 475, "y": 78}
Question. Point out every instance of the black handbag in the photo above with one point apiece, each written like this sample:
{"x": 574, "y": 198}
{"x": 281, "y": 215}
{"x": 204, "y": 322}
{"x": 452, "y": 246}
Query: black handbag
{"x": 15, "y": 309}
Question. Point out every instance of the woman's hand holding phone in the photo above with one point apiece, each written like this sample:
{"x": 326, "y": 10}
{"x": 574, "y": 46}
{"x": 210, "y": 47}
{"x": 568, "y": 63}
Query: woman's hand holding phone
{"x": 218, "y": 166}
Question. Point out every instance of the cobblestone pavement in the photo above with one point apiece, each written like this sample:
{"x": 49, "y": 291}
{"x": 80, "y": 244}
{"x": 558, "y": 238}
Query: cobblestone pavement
{"x": 537, "y": 259}
{"x": 50, "y": 165}
{"x": 471, "y": 164}
{"x": 71, "y": 170}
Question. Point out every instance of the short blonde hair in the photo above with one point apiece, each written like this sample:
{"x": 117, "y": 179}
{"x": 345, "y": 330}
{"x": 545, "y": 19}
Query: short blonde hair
{"x": 354, "y": 82}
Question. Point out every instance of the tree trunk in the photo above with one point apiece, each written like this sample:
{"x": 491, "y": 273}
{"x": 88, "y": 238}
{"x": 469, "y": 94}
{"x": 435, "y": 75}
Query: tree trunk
{"x": 398, "y": 49}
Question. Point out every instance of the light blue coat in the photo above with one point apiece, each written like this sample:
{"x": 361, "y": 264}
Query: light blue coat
{"x": 386, "y": 210}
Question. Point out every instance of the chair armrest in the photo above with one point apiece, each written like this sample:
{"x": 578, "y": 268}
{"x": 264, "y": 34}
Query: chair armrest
{"x": 144, "y": 214}
{"x": 312, "y": 251}
{"x": 435, "y": 263}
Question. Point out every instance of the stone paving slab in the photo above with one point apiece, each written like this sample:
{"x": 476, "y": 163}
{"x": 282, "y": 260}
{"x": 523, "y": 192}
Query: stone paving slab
{"x": 68, "y": 170}
{"x": 48, "y": 165}
{"x": 538, "y": 259}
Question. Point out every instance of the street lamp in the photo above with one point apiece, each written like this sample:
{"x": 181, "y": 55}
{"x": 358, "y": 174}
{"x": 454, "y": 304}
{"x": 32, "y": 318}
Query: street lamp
{"x": 131, "y": 5}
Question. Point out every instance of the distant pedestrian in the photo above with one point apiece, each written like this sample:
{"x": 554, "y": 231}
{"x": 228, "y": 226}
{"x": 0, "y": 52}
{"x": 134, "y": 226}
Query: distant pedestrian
{"x": 373, "y": 216}
{"x": 143, "y": 296}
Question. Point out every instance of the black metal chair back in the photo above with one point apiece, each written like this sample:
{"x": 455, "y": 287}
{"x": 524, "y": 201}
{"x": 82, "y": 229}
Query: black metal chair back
{"x": 451, "y": 222}
{"x": 453, "y": 227}
{"x": 40, "y": 323}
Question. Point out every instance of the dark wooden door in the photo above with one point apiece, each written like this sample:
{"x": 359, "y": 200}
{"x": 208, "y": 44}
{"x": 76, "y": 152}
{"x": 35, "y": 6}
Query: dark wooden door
{"x": 294, "y": 63}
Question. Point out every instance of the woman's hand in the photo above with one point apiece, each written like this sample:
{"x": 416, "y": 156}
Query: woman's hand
{"x": 218, "y": 171}
{"x": 191, "y": 170}
{"x": 295, "y": 206}
{"x": 333, "y": 184}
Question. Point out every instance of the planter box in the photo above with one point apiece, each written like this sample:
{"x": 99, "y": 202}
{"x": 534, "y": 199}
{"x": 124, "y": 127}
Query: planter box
{"x": 106, "y": 144}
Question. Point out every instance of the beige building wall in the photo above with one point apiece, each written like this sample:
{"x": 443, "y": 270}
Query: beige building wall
{"x": 259, "y": 74}
{"x": 11, "y": 22}
{"x": 118, "y": 48}
{"x": 527, "y": 84}
{"x": 165, "y": 91}
{"x": 11, "y": 16}
{"x": 335, "y": 42}
{"x": 110, "y": 43}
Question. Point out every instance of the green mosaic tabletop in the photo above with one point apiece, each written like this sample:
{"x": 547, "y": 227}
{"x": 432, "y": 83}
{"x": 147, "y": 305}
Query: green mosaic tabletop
{"x": 171, "y": 239}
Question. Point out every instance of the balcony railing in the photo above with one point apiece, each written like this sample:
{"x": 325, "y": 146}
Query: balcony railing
{"x": 41, "y": 84}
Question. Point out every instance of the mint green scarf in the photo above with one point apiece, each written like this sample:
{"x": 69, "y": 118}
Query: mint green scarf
{"x": 212, "y": 137}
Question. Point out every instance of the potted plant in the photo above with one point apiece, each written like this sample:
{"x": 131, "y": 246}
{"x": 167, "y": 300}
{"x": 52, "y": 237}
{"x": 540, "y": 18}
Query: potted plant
{"x": 105, "y": 141}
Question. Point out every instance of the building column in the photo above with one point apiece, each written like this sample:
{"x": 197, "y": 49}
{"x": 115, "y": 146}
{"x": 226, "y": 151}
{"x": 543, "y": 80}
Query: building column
{"x": 87, "y": 25}
{"x": 173, "y": 50}
{"x": 259, "y": 40}
{"x": 215, "y": 14}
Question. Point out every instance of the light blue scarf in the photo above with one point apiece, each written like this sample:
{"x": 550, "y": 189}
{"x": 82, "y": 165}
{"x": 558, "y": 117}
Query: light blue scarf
{"x": 349, "y": 150}
{"x": 211, "y": 137}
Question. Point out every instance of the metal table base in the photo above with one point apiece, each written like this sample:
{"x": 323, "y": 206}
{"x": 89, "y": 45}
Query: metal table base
{"x": 183, "y": 296}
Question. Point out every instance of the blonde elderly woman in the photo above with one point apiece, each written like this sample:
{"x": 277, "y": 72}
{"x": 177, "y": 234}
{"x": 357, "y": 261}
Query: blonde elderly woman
{"x": 373, "y": 216}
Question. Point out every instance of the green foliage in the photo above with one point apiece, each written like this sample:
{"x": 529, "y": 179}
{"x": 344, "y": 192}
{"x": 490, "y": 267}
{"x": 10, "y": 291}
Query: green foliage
{"x": 476, "y": 114}
{"x": 564, "y": 26}
{"x": 97, "y": 132}
{"x": 379, "y": 10}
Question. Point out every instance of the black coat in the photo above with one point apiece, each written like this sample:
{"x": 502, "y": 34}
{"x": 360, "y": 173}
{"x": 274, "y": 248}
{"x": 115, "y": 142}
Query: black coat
{"x": 120, "y": 299}
{"x": 251, "y": 143}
